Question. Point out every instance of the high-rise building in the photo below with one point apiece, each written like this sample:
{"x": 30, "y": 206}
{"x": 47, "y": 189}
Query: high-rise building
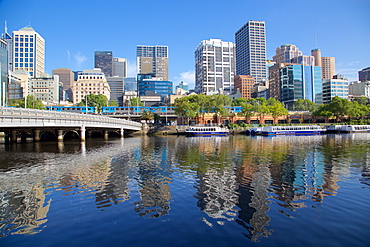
{"x": 303, "y": 59}
{"x": 28, "y": 51}
{"x": 214, "y": 67}
{"x": 285, "y": 53}
{"x": 116, "y": 89}
{"x": 245, "y": 84}
{"x": 66, "y": 78}
{"x": 103, "y": 61}
{"x": 250, "y": 41}
{"x": 328, "y": 67}
{"x": 337, "y": 86}
{"x": 327, "y": 64}
{"x": 364, "y": 75}
{"x": 90, "y": 82}
{"x": 316, "y": 53}
{"x": 152, "y": 59}
{"x": 3, "y": 70}
{"x": 119, "y": 67}
{"x": 9, "y": 44}
{"x": 300, "y": 82}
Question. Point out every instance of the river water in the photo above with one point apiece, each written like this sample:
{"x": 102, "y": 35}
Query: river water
{"x": 187, "y": 191}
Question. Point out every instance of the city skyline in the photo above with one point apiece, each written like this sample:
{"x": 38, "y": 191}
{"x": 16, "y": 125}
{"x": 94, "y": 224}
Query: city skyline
{"x": 338, "y": 30}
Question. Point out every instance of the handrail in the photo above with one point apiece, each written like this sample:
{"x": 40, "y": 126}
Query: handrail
{"x": 44, "y": 114}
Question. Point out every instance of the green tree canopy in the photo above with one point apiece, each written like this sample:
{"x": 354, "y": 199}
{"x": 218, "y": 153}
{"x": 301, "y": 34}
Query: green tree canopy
{"x": 147, "y": 115}
{"x": 95, "y": 100}
{"x": 112, "y": 103}
{"x": 32, "y": 103}
{"x": 136, "y": 101}
{"x": 305, "y": 105}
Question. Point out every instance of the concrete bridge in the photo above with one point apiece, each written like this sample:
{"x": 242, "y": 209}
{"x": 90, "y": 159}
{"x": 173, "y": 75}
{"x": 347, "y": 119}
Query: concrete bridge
{"x": 21, "y": 123}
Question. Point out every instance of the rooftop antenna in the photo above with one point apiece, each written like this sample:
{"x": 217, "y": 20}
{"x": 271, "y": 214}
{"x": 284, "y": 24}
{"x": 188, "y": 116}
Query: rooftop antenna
{"x": 315, "y": 41}
{"x": 5, "y": 28}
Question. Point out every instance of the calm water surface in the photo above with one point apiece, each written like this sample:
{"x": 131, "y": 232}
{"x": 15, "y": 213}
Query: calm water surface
{"x": 179, "y": 191}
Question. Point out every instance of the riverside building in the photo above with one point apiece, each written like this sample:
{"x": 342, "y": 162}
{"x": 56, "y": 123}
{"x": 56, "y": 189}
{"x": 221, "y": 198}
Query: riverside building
{"x": 152, "y": 59}
{"x": 90, "y": 82}
{"x": 28, "y": 51}
{"x": 214, "y": 67}
{"x": 103, "y": 60}
{"x": 250, "y": 41}
{"x": 300, "y": 82}
{"x": 337, "y": 86}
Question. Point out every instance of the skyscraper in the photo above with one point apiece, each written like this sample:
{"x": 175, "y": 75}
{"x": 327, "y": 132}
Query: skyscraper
{"x": 364, "y": 74}
{"x": 285, "y": 53}
{"x": 119, "y": 66}
{"x": 28, "y": 51}
{"x": 250, "y": 41}
{"x": 327, "y": 64}
{"x": 3, "y": 70}
{"x": 66, "y": 78}
{"x": 152, "y": 59}
{"x": 214, "y": 67}
{"x": 300, "y": 82}
{"x": 103, "y": 61}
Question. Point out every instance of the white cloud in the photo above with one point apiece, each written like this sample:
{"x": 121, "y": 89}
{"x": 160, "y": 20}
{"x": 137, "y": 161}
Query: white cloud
{"x": 80, "y": 59}
{"x": 188, "y": 77}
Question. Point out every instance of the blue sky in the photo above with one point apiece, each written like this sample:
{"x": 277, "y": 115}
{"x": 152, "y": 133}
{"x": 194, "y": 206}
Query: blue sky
{"x": 73, "y": 30}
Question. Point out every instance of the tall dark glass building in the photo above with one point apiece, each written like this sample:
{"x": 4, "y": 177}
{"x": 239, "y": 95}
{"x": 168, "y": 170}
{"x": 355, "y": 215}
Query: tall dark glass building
{"x": 103, "y": 61}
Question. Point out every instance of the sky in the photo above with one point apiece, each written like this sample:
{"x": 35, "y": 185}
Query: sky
{"x": 73, "y": 30}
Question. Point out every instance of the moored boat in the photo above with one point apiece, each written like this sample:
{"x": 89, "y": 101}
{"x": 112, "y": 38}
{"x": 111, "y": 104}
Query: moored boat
{"x": 207, "y": 131}
{"x": 292, "y": 130}
{"x": 354, "y": 128}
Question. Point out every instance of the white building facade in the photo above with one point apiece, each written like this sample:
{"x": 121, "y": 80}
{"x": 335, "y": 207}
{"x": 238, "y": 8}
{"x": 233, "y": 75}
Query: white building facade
{"x": 214, "y": 67}
{"x": 28, "y": 51}
{"x": 90, "y": 82}
{"x": 45, "y": 88}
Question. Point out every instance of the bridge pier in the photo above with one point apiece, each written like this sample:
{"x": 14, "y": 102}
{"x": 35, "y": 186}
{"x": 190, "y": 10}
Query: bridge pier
{"x": 106, "y": 133}
{"x": 82, "y": 133}
{"x": 122, "y": 132}
{"x": 60, "y": 135}
{"x": 13, "y": 136}
{"x": 36, "y": 135}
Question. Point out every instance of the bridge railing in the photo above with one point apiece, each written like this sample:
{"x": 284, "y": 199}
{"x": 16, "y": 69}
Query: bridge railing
{"x": 44, "y": 114}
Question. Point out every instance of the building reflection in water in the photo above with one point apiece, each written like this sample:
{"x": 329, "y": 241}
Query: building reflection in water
{"x": 23, "y": 212}
{"x": 239, "y": 178}
{"x": 26, "y": 178}
{"x": 154, "y": 171}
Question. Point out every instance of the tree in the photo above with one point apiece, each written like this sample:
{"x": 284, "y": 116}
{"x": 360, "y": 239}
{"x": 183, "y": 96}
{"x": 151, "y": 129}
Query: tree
{"x": 339, "y": 107}
{"x": 112, "y": 103}
{"x": 32, "y": 103}
{"x": 323, "y": 111}
{"x": 135, "y": 101}
{"x": 362, "y": 100}
{"x": 247, "y": 111}
{"x": 218, "y": 103}
{"x": 261, "y": 108}
{"x": 147, "y": 115}
{"x": 239, "y": 101}
{"x": 277, "y": 109}
{"x": 305, "y": 105}
{"x": 95, "y": 100}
